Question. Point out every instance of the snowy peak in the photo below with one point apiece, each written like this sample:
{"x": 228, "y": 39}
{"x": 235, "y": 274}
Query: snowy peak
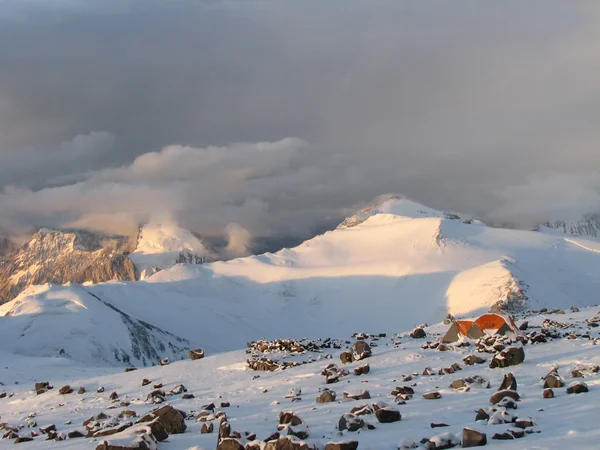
{"x": 396, "y": 206}
{"x": 588, "y": 226}
{"x": 58, "y": 257}
{"x": 162, "y": 245}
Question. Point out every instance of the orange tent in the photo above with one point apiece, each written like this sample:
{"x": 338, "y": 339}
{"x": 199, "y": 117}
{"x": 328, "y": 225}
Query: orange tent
{"x": 487, "y": 324}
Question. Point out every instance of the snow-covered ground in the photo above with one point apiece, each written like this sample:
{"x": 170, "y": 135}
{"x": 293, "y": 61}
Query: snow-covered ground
{"x": 256, "y": 398}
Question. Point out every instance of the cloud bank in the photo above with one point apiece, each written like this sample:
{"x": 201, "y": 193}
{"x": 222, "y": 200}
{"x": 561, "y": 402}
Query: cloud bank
{"x": 111, "y": 112}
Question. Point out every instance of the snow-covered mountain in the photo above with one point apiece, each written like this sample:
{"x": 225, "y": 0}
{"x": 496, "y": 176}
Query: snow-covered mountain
{"x": 588, "y": 226}
{"x": 390, "y": 271}
{"x": 162, "y": 245}
{"x": 58, "y": 256}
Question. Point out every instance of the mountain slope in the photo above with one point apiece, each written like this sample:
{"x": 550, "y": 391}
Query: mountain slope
{"x": 587, "y": 227}
{"x": 54, "y": 256}
{"x": 387, "y": 273}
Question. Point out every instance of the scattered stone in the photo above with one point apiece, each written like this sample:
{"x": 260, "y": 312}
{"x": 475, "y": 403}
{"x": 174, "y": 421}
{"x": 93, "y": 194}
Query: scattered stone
{"x": 502, "y": 394}
{"x": 127, "y": 413}
{"x": 164, "y": 362}
{"x": 577, "y": 387}
{"x": 75, "y": 434}
{"x": 113, "y": 395}
{"x": 443, "y": 441}
{"x": 471, "y": 360}
{"x": 553, "y": 380}
{"x": 207, "y": 428}
{"x": 548, "y": 393}
{"x": 346, "y": 357}
{"x": 362, "y": 370}
{"x": 196, "y": 354}
{"x": 438, "y": 425}
{"x": 170, "y": 418}
{"x": 326, "y": 397}
{"x": 158, "y": 386}
{"x": 21, "y": 439}
{"x": 146, "y": 382}
{"x": 225, "y": 404}
{"x": 81, "y": 390}
{"x": 432, "y": 395}
{"x": 100, "y": 390}
{"x": 47, "y": 428}
{"x": 418, "y": 333}
{"x": 65, "y": 390}
{"x": 524, "y": 423}
{"x": 388, "y": 415}
{"x": 473, "y": 438}
{"x": 511, "y": 356}
{"x": 130, "y": 369}
{"x": 346, "y": 445}
{"x": 509, "y": 382}
{"x": 350, "y": 422}
{"x": 362, "y": 395}
{"x": 360, "y": 351}
{"x": 187, "y": 396}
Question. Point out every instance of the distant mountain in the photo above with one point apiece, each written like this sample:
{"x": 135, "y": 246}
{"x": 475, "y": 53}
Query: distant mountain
{"x": 63, "y": 256}
{"x": 393, "y": 266}
{"x": 58, "y": 257}
{"x": 160, "y": 246}
{"x": 588, "y": 226}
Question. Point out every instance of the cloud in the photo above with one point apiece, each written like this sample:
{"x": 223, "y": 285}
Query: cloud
{"x": 239, "y": 241}
{"x": 463, "y": 107}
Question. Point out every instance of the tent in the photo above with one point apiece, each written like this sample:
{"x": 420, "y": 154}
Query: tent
{"x": 487, "y": 324}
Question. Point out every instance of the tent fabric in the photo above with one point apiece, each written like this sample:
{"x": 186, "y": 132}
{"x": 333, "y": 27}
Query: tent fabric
{"x": 485, "y": 324}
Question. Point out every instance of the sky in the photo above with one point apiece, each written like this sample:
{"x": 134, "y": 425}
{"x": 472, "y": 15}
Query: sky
{"x": 276, "y": 118}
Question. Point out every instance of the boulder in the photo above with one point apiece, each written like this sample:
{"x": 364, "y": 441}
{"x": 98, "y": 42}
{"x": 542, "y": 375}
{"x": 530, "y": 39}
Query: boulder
{"x": 229, "y": 444}
{"x": 511, "y": 356}
{"x": 346, "y": 445}
{"x": 362, "y": 370}
{"x": 207, "y": 428}
{"x": 418, "y": 333}
{"x": 553, "y": 381}
{"x": 443, "y": 441}
{"x": 21, "y": 439}
{"x": 577, "y": 387}
{"x": 65, "y": 390}
{"x": 81, "y": 390}
{"x": 350, "y": 422}
{"x": 360, "y": 350}
{"x": 524, "y": 422}
{"x": 362, "y": 395}
{"x": 196, "y": 354}
{"x": 548, "y": 393}
{"x": 346, "y": 357}
{"x": 509, "y": 382}
{"x": 502, "y": 394}
{"x": 170, "y": 418}
{"x": 326, "y": 397}
{"x": 471, "y": 360}
{"x": 473, "y": 438}
{"x": 388, "y": 415}
{"x": 289, "y": 418}
{"x": 432, "y": 395}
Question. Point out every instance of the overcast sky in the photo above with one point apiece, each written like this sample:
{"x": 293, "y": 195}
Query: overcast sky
{"x": 280, "y": 116}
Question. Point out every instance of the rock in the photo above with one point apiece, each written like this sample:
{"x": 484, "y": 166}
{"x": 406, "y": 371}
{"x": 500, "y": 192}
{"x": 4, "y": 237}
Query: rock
{"x": 146, "y": 382}
{"x": 360, "y": 350}
{"x": 113, "y": 396}
{"x": 65, "y": 390}
{"x": 42, "y": 387}
{"x": 110, "y": 431}
{"x": 170, "y": 418}
{"x": 289, "y": 418}
{"x": 130, "y": 369}
{"x": 473, "y": 438}
{"x": 482, "y": 415}
{"x": 443, "y": 348}
{"x": 363, "y": 395}
{"x": 362, "y": 370}
{"x": 388, "y": 415}
{"x": 326, "y": 397}
{"x": 443, "y": 441}
{"x": 471, "y": 360}
{"x": 187, "y": 396}
{"x": 524, "y": 326}
{"x": 100, "y": 390}
{"x": 548, "y": 393}
{"x": 432, "y": 395}
{"x": 475, "y": 380}
{"x": 346, "y": 357}
{"x": 75, "y": 434}
{"x": 229, "y": 444}
{"x": 47, "y": 428}
{"x": 418, "y": 333}
{"x": 511, "y": 356}
{"x": 524, "y": 423}
{"x": 179, "y": 389}
{"x": 225, "y": 404}
{"x": 21, "y": 439}
{"x": 287, "y": 443}
{"x": 81, "y": 390}
{"x": 207, "y": 428}
{"x": 509, "y": 382}
{"x": 350, "y": 422}
{"x": 164, "y": 362}
{"x": 156, "y": 396}
{"x": 502, "y": 394}
{"x": 127, "y": 413}
{"x": 509, "y": 435}
{"x": 196, "y": 354}
{"x": 577, "y": 387}
{"x": 346, "y": 445}
{"x": 553, "y": 381}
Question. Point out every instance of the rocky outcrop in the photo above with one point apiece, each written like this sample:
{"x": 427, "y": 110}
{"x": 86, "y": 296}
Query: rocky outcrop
{"x": 58, "y": 257}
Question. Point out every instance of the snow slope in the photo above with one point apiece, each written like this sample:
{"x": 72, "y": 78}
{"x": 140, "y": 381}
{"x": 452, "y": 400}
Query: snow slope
{"x": 257, "y": 398}
{"x": 162, "y": 245}
{"x": 386, "y": 273}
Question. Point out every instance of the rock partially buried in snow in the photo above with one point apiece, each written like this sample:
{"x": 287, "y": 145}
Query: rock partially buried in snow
{"x": 196, "y": 354}
{"x": 443, "y": 441}
{"x": 346, "y": 445}
{"x": 473, "y": 438}
{"x": 578, "y": 387}
{"x": 361, "y": 395}
{"x": 360, "y": 351}
{"x": 511, "y": 356}
{"x": 471, "y": 360}
{"x": 418, "y": 333}
{"x": 350, "y": 422}
{"x": 326, "y": 397}
{"x": 432, "y": 395}
{"x": 170, "y": 418}
{"x": 509, "y": 382}
{"x": 388, "y": 415}
{"x": 498, "y": 396}
{"x": 548, "y": 393}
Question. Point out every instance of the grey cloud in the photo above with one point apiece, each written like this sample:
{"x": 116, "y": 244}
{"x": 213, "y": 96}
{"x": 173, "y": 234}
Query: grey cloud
{"x": 462, "y": 106}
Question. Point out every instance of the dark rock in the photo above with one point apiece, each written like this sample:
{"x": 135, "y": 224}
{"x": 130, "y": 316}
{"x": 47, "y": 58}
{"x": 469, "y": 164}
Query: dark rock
{"x": 482, "y": 415}
{"x": 512, "y": 356}
{"x": 388, "y": 415}
{"x": 577, "y": 388}
{"x": 207, "y": 428}
{"x": 65, "y": 390}
{"x": 360, "y": 350}
{"x": 113, "y": 396}
{"x": 130, "y": 369}
{"x": 362, "y": 370}
{"x": 196, "y": 354}
{"x": 289, "y": 418}
{"x": 350, "y": 422}
{"x": 364, "y": 395}
{"x": 110, "y": 431}
{"x": 146, "y": 382}
{"x": 170, "y": 418}
{"x": 471, "y": 360}
{"x": 473, "y": 438}
{"x": 346, "y": 357}
{"x": 524, "y": 423}
{"x": 326, "y": 397}
{"x": 438, "y": 425}
{"x": 187, "y": 396}
{"x": 502, "y": 394}
{"x": 418, "y": 333}
{"x": 23, "y": 439}
{"x": 75, "y": 434}
{"x": 346, "y": 445}
{"x": 509, "y": 382}
{"x": 432, "y": 395}
{"x": 100, "y": 390}
{"x": 225, "y": 404}
{"x": 47, "y": 428}
{"x": 553, "y": 381}
{"x": 229, "y": 444}
{"x": 548, "y": 393}
{"x": 81, "y": 390}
